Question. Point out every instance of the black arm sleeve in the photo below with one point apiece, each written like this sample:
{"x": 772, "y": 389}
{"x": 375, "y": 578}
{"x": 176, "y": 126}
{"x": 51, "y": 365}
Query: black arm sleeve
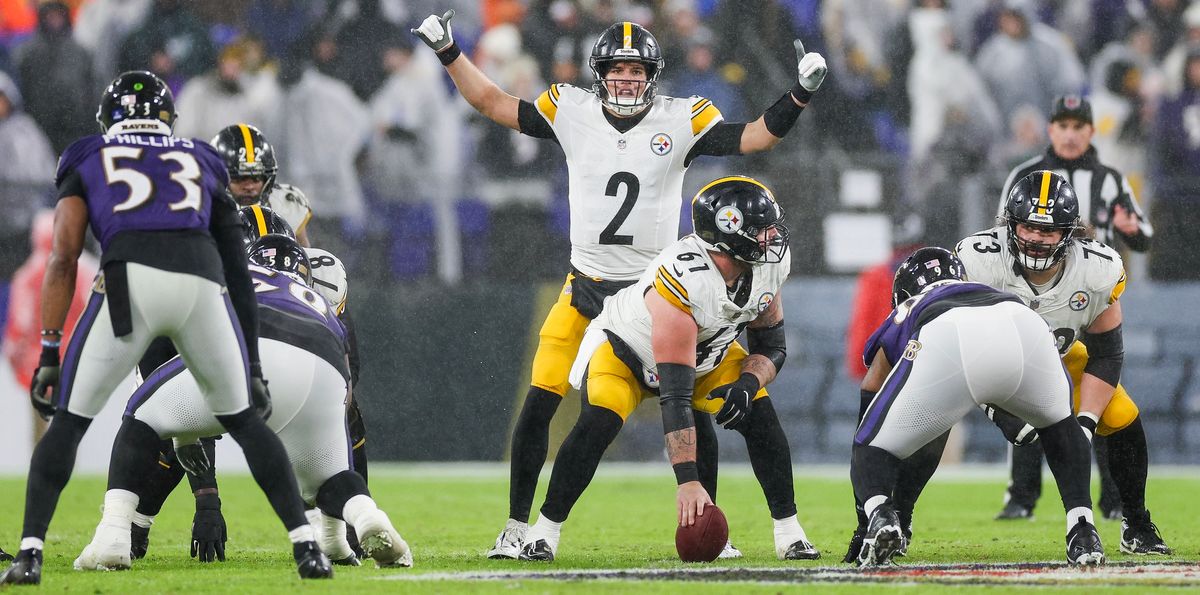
{"x": 532, "y": 123}
{"x": 71, "y": 185}
{"x": 769, "y": 342}
{"x": 724, "y": 139}
{"x": 675, "y": 385}
{"x": 352, "y": 341}
{"x": 226, "y": 228}
{"x": 1106, "y": 355}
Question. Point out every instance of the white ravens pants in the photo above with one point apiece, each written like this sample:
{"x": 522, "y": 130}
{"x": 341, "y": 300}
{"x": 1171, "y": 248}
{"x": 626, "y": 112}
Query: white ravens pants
{"x": 1001, "y": 354}
{"x": 192, "y": 311}
{"x": 309, "y": 400}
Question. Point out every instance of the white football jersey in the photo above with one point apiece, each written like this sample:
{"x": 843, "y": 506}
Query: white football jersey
{"x": 685, "y": 275}
{"x": 290, "y": 203}
{"x": 329, "y": 277}
{"x": 1093, "y": 278}
{"x": 625, "y": 188}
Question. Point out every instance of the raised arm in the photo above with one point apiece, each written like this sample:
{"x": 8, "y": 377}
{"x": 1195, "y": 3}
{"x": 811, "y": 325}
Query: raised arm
{"x": 479, "y": 90}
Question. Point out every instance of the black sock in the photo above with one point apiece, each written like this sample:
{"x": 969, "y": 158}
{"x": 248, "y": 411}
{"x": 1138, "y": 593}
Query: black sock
{"x": 160, "y": 481}
{"x": 873, "y": 472}
{"x": 337, "y": 490}
{"x": 1025, "y": 484}
{"x": 1070, "y": 458}
{"x": 915, "y": 472}
{"x": 707, "y": 452}
{"x": 358, "y": 439}
{"x": 1129, "y": 460}
{"x": 530, "y": 441}
{"x": 50, "y": 470}
{"x": 269, "y": 465}
{"x": 1110, "y": 496}
{"x": 208, "y": 479}
{"x": 770, "y": 457}
{"x": 578, "y": 458}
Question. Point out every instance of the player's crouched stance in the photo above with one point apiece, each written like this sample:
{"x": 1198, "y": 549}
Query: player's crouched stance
{"x": 674, "y": 333}
{"x": 303, "y": 350}
{"x": 948, "y": 347}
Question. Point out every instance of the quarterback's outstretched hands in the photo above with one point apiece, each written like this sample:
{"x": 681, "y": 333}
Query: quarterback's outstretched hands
{"x": 435, "y": 31}
{"x": 811, "y": 67}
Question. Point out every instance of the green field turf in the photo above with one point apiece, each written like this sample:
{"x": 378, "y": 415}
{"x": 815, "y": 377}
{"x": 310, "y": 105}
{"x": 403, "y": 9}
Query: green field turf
{"x": 450, "y": 516}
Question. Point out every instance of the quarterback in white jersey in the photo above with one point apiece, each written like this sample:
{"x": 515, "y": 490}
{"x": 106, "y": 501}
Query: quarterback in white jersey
{"x": 1076, "y": 285}
{"x": 627, "y": 149}
{"x": 673, "y": 334}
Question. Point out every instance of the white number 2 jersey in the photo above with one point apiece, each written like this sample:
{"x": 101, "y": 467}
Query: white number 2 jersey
{"x": 625, "y": 188}
{"x": 1093, "y": 278}
{"x": 685, "y": 275}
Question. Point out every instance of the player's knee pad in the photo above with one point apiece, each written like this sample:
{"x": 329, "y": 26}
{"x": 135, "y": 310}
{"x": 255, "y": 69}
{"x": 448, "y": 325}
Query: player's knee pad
{"x": 339, "y": 489}
{"x": 1120, "y": 413}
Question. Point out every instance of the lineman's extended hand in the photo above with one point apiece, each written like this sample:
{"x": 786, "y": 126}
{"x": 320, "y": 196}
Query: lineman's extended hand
{"x": 691, "y": 498}
{"x": 208, "y": 529}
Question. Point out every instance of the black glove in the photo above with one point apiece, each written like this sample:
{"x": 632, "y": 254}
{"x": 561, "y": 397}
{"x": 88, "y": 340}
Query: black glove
{"x": 1015, "y": 429}
{"x": 193, "y": 458}
{"x": 738, "y": 398}
{"x": 45, "y": 382}
{"x": 260, "y": 396}
{"x": 208, "y": 529}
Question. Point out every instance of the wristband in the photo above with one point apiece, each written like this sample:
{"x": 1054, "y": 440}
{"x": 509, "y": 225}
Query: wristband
{"x": 780, "y": 117}
{"x": 685, "y": 472}
{"x": 51, "y": 343}
{"x": 450, "y": 54}
{"x": 801, "y": 94}
{"x": 49, "y": 332}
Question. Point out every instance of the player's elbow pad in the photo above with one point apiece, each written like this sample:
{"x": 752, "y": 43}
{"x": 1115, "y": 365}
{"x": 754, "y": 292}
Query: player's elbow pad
{"x": 675, "y": 386}
{"x": 769, "y": 342}
{"x": 1106, "y": 355}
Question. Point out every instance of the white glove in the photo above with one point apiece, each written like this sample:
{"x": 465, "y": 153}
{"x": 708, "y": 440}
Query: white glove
{"x": 812, "y": 67}
{"x": 435, "y": 31}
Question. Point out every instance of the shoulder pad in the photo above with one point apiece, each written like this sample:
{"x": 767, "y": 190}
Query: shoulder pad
{"x": 289, "y": 193}
{"x": 1104, "y": 270}
{"x": 329, "y": 277}
{"x": 703, "y": 113}
{"x": 982, "y": 255}
{"x": 75, "y": 153}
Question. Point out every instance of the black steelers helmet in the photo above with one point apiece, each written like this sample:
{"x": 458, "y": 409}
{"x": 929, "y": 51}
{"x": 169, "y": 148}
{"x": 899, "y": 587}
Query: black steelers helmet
{"x": 260, "y": 221}
{"x": 1045, "y": 200}
{"x": 626, "y": 42}
{"x": 281, "y": 253}
{"x": 136, "y": 95}
{"x": 922, "y": 268}
{"x": 246, "y": 154}
{"x": 729, "y": 213}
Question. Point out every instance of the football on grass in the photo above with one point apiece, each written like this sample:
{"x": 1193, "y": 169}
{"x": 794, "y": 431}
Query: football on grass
{"x": 703, "y": 541}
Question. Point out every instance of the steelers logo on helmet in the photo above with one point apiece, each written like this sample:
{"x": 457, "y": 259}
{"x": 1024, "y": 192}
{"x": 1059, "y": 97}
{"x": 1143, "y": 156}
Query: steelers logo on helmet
{"x": 661, "y": 143}
{"x": 1045, "y": 202}
{"x": 738, "y": 216}
{"x": 730, "y": 219}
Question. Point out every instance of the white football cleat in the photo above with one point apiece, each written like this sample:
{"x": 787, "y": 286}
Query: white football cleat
{"x": 730, "y": 552}
{"x": 509, "y": 542}
{"x": 109, "y": 550}
{"x": 381, "y": 541}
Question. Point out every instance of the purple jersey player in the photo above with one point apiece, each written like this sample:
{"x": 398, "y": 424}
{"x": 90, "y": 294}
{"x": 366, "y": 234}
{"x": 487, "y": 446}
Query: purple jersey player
{"x": 172, "y": 265}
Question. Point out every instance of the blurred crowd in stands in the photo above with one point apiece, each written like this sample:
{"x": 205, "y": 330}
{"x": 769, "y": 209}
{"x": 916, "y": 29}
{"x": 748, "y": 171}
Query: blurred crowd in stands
{"x": 952, "y": 93}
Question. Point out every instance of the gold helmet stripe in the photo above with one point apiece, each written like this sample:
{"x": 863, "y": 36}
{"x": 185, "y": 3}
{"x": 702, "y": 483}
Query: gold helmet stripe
{"x": 260, "y": 220}
{"x": 627, "y": 40}
{"x": 249, "y": 143}
{"x": 1044, "y": 193}
{"x": 735, "y": 179}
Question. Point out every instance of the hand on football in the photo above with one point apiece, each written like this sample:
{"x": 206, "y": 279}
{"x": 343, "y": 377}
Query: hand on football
{"x": 691, "y": 498}
{"x": 192, "y": 458}
{"x": 739, "y": 398}
{"x": 811, "y": 67}
{"x": 1015, "y": 430}
{"x": 435, "y": 31}
{"x": 208, "y": 529}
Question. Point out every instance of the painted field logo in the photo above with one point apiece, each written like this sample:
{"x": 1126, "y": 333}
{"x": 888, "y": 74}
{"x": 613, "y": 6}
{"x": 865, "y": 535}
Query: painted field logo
{"x": 1079, "y": 300}
{"x": 661, "y": 144}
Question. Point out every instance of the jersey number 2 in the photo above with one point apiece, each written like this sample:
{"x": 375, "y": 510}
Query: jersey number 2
{"x": 141, "y": 187}
{"x": 632, "y": 187}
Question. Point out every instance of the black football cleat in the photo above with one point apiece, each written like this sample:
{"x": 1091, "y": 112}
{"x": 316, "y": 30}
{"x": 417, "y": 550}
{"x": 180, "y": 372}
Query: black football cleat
{"x": 1139, "y": 535}
{"x": 883, "y": 538}
{"x": 26, "y": 569}
{"x": 538, "y": 551}
{"x": 347, "y": 561}
{"x": 310, "y": 562}
{"x": 802, "y": 550}
{"x": 1083, "y": 545}
{"x": 1014, "y": 511}
{"x": 5, "y": 556}
{"x": 856, "y": 543}
{"x": 139, "y": 541}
